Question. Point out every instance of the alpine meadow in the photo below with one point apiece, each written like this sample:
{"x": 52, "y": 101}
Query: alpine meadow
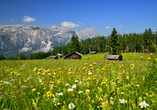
{"x": 78, "y": 55}
{"x": 90, "y": 83}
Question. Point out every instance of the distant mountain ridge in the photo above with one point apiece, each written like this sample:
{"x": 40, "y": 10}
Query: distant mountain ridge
{"x": 87, "y": 33}
{"x": 27, "y": 39}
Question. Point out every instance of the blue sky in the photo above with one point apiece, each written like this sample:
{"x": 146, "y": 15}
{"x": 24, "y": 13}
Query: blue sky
{"x": 127, "y": 16}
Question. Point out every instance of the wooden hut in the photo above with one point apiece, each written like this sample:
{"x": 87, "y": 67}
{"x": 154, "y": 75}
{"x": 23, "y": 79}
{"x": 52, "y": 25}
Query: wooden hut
{"x": 59, "y": 55}
{"x": 93, "y": 52}
{"x": 74, "y": 55}
{"x": 114, "y": 57}
{"x": 53, "y": 57}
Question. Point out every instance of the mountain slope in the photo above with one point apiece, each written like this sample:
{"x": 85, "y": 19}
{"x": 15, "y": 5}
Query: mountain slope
{"x": 29, "y": 38}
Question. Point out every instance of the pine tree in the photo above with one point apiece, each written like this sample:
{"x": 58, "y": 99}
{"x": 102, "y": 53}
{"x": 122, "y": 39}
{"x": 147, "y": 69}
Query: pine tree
{"x": 114, "y": 43}
{"x": 74, "y": 44}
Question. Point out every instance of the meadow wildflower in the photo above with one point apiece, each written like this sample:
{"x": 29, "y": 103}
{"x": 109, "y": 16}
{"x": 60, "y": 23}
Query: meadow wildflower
{"x": 94, "y": 78}
{"x": 76, "y": 80}
{"x": 80, "y": 92}
{"x": 48, "y": 94}
{"x": 39, "y": 70}
{"x": 117, "y": 78}
{"x": 87, "y": 91}
{"x": 31, "y": 86}
{"x": 21, "y": 69}
{"x": 70, "y": 90}
{"x": 71, "y": 106}
{"x": 55, "y": 100}
{"x": 137, "y": 85}
{"x": 132, "y": 65}
{"x": 141, "y": 57}
{"x": 94, "y": 63}
{"x": 33, "y": 90}
{"x": 60, "y": 93}
{"x": 151, "y": 54}
{"x": 99, "y": 101}
{"x": 58, "y": 103}
{"x": 122, "y": 93}
{"x": 38, "y": 93}
{"x": 122, "y": 101}
{"x": 51, "y": 82}
{"x": 89, "y": 73}
{"x": 149, "y": 58}
{"x": 66, "y": 85}
{"x": 103, "y": 83}
{"x": 143, "y": 104}
{"x": 74, "y": 86}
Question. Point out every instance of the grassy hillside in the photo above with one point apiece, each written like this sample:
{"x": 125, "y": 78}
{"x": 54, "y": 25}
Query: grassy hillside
{"x": 126, "y": 56}
{"x": 89, "y": 83}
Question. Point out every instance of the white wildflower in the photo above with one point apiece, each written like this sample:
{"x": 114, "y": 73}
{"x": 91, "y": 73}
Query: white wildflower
{"x": 122, "y": 101}
{"x": 71, "y": 106}
{"x": 143, "y": 104}
{"x": 74, "y": 86}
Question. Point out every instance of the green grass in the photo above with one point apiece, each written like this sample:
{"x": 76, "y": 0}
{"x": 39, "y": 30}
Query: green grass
{"x": 101, "y": 90}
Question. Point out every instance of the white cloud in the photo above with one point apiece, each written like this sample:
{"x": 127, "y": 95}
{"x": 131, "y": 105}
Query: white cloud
{"x": 107, "y": 27}
{"x": 81, "y": 23}
{"x": 120, "y": 26}
{"x": 28, "y": 19}
{"x": 12, "y": 20}
{"x": 69, "y": 24}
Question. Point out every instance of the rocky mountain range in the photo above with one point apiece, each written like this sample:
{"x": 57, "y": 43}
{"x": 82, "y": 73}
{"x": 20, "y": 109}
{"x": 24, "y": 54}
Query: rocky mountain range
{"x": 27, "y": 39}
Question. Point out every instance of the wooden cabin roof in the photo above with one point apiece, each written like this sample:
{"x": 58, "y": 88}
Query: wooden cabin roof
{"x": 73, "y": 53}
{"x": 113, "y": 57}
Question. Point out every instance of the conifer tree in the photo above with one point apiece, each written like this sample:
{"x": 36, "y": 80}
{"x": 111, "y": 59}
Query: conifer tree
{"x": 74, "y": 44}
{"x": 114, "y": 43}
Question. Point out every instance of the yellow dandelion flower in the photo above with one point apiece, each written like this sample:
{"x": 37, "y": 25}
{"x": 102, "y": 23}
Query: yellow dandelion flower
{"x": 88, "y": 79}
{"x": 58, "y": 103}
{"x": 51, "y": 82}
{"x": 33, "y": 89}
{"x": 48, "y": 94}
{"x": 39, "y": 70}
{"x": 122, "y": 93}
{"x": 103, "y": 83}
{"x": 94, "y": 78}
{"x": 44, "y": 88}
{"x": 149, "y": 58}
{"x": 21, "y": 69}
{"x": 94, "y": 63}
{"x": 137, "y": 85}
{"x": 38, "y": 93}
{"x": 1, "y": 84}
{"x": 42, "y": 83}
{"x": 117, "y": 78}
{"x": 87, "y": 91}
{"x": 105, "y": 79}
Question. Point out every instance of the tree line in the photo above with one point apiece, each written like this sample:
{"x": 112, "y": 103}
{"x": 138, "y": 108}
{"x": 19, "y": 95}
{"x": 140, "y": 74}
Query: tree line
{"x": 123, "y": 43}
